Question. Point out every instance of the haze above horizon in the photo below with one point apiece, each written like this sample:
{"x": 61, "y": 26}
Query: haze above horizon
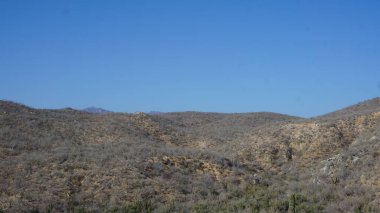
{"x": 302, "y": 58}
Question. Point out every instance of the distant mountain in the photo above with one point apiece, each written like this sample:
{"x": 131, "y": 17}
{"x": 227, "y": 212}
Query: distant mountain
{"x": 154, "y": 113}
{"x": 96, "y": 110}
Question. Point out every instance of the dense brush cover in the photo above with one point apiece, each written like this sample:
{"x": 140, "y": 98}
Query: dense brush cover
{"x": 70, "y": 161}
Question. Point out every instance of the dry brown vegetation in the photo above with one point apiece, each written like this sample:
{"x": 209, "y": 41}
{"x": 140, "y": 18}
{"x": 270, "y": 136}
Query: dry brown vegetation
{"x": 73, "y": 161}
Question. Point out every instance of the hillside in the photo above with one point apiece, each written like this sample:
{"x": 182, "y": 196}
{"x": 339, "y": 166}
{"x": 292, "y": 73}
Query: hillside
{"x": 362, "y": 108}
{"x": 75, "y": 161}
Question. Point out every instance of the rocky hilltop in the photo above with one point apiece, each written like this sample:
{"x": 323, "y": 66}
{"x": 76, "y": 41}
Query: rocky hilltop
{"x": 74, "y": 161}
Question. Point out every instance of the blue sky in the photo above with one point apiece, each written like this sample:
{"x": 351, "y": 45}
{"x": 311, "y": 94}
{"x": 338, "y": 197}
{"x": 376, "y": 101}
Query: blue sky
{"x": 295, "y": 57}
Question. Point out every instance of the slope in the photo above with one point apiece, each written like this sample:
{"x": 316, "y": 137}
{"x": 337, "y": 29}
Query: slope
{"x": 69, "y": 160}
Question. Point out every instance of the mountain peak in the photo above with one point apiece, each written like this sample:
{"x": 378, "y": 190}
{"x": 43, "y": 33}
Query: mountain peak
{"x": 96, "y": 110}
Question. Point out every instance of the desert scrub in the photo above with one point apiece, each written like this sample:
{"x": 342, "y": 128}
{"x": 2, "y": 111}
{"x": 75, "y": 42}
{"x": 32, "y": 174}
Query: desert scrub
{"x": 144, "y": 206}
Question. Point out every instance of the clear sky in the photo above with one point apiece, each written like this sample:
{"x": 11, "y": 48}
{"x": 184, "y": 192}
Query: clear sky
{"x": 295, "y": 57}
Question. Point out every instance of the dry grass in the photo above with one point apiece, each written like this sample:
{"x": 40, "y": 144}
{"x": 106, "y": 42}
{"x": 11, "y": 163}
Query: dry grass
{"x": 73, "y": 161}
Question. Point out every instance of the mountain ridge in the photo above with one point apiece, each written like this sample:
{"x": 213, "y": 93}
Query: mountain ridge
{"x": 96, "y": 110}
{"x": 370, "y": 105}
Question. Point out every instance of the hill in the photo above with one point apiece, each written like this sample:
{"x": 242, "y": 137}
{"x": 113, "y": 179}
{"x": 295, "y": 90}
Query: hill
{"x": 365, "y": 107}
{"x": 73, "y": 161}
{"x": 96, "y": 110}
